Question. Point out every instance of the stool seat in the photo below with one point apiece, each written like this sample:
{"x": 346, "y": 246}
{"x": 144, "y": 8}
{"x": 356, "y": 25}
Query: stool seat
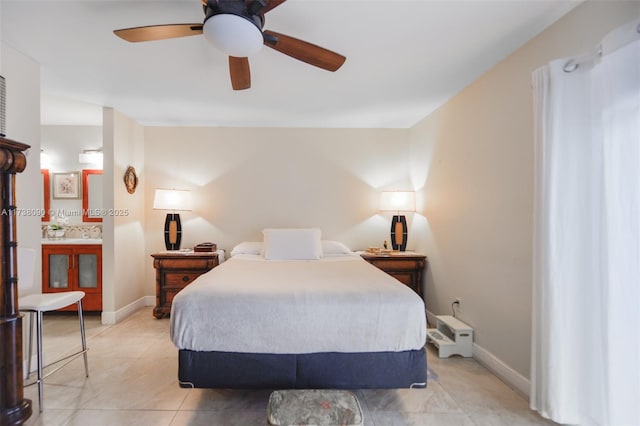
{"x": 319, "y": 407}
{"x": 49, "y": 301}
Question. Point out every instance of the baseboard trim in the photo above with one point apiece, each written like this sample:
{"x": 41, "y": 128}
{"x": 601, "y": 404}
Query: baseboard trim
{"x": 492, "y": 363}
{"x": 507, "y": 374}
{"x": 114, "y": 317}
{"x": 149, "y": 301}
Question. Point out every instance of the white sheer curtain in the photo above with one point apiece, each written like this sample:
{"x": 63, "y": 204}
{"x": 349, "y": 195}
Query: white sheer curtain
{"x": 586, "y": 289}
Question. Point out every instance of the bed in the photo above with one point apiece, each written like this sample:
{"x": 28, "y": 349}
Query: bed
{"x": 327, "y": 319}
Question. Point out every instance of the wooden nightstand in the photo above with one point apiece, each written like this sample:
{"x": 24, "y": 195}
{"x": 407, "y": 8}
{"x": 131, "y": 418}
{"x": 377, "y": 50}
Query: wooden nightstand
{"x": 174, "y": 271}
{"x": 405, "y": 266}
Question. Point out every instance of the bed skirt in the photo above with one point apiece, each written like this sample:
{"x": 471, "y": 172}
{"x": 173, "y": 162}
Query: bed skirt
{"x": 330, "y": 370}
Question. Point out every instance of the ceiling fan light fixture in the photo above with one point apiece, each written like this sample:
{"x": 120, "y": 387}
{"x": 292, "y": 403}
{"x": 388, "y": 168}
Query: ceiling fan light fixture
{"x": 233, "y": 34}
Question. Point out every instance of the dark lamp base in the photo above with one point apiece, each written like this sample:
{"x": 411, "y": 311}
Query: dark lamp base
{"x": 399, "y": 233}
{"x": 172, "y": 231}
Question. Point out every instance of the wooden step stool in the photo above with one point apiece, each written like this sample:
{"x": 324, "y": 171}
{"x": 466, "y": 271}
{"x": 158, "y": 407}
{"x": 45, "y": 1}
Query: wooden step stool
{"x": 451, "y": 336}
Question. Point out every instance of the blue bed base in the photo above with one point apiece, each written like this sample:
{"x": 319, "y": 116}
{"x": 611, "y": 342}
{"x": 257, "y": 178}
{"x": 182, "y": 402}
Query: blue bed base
{"x": 329, "y": 370}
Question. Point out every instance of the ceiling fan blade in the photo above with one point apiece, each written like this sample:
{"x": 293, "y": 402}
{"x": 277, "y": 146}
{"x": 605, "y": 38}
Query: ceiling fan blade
{"x": 304, "y": 51}
{"x": 271, "y": 4}
{"x": 260, "y": 7}
{"x": 240, "y": 73}
{"x": 158, "y": 32}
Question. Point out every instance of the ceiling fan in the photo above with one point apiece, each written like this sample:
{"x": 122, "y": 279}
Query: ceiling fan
{"x": 236, "y": 28}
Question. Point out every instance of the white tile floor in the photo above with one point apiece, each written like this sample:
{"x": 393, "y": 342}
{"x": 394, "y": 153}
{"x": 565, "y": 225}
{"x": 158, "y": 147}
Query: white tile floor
{"x": 133, "y": 381}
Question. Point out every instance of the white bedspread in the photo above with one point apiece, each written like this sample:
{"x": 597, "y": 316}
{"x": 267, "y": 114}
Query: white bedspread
{"x": 335, "y": 304}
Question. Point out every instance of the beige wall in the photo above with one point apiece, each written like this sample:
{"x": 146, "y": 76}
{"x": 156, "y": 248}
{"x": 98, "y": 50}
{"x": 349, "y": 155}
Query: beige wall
{"x": 243, "y": 180}
{"x": 22, "y": 77}
{"x": 123, "y": 244}
{"x": 478, "y": 197}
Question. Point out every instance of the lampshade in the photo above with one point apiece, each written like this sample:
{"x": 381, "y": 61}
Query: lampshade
{"x": 172, "y": 199}
{"x": 398, "y": 201}
{"x": 233, "y": 34}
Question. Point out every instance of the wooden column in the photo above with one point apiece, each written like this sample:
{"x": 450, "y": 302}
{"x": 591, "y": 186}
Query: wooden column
{"x": 14, "y": 409}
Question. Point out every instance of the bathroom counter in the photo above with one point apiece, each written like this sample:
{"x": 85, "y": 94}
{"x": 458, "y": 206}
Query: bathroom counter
{"x": 82, "y": 241}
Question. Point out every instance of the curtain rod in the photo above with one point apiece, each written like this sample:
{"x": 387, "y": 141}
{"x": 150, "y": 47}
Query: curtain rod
{"x": 613, "y": 41}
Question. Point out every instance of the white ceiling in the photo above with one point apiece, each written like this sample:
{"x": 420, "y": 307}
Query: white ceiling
{"x": 404, "y": 59}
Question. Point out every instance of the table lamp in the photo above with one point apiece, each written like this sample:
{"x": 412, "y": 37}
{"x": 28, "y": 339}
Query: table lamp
{"x": 174, "y": 200}
{"x": 398, "y": 201}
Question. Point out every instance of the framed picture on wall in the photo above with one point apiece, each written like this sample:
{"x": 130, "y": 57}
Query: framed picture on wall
{"x": 66, "y": 185}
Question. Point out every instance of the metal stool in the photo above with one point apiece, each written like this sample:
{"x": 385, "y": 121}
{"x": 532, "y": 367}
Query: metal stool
{"x": 35, "y": 305}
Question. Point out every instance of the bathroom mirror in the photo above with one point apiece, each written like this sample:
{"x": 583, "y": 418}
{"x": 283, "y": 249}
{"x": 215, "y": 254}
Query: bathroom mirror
{"x": 92, "y": 195}
{"x": 46, "y": 185}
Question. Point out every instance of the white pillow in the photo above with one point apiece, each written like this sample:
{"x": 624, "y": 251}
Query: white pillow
{"x": 247, "y": 247}
{"x": 334, "y": 247}
{"x": 291, "y": 244}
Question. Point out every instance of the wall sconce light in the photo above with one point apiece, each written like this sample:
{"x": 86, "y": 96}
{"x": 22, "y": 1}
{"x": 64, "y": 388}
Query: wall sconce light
{"x": 174, "y": 200}
{"x": 44, "y": 159}
{"x": 91, "y": 156}
{"x": 398, "y": 201}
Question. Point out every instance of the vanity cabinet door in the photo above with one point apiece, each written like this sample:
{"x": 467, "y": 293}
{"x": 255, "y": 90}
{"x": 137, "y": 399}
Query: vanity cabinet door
{"x": 89, "y": 265}
{"x": 74, "y": 267}
{"x": 56, "y": 269}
